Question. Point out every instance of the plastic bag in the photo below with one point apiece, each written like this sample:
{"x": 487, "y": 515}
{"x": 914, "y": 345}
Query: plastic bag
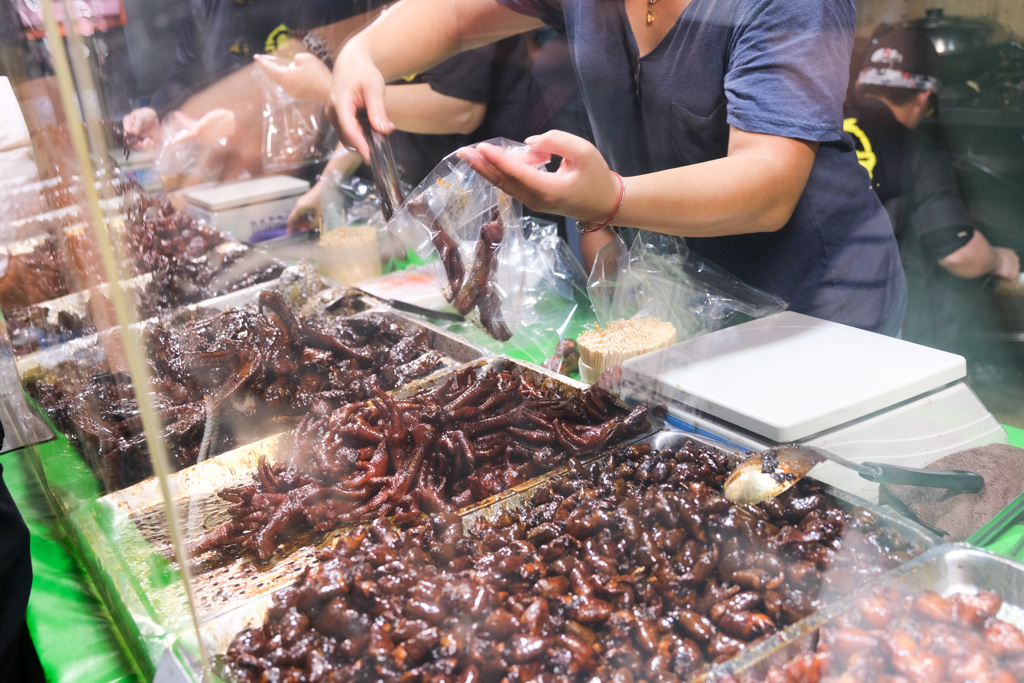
{"x": 294, "y": 132}
{"x": 182, "y": 159}
{"x": 476, "y": 230}
{"x": 658, "y": 276}
{"x": 556, "y": 305}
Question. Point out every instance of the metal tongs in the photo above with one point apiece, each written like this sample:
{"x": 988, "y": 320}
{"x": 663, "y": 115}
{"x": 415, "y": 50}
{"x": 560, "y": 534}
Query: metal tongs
{"x": 382, "y": 165}
{"x": 767, "y": 474}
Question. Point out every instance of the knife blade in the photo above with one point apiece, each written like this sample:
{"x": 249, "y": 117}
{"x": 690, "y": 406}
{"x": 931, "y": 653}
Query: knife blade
{"x": 426, "y": 312}
{"x": 401, "y": 306}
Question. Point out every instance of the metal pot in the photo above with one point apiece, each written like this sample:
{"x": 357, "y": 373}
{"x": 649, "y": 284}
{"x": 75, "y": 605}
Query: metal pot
{"x": 966, "y": 45}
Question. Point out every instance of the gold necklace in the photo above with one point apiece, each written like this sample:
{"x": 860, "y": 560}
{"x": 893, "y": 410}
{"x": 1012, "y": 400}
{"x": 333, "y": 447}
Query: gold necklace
{"x": 650, "y": 11}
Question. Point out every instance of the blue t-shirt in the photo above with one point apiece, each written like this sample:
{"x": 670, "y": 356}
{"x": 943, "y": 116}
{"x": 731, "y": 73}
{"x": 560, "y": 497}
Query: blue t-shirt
{"x": 764, "y": 66}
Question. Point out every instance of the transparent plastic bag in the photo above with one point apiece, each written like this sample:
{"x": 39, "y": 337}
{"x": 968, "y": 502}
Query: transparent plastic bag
{"x": 555, "y": 302}
{"x": 182, "y": 159}
{"x": 658, "y": 276}
{"x": 476, "y": 231}
{"x": 294, "y": 132}
{"x": 556, "y": 306}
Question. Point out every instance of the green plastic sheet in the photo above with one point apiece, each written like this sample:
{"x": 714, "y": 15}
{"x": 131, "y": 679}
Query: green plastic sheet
{"x": 71, "y": 629}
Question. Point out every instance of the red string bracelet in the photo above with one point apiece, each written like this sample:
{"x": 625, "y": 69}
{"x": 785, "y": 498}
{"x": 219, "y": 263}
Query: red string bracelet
{"x": 585, "y": 226}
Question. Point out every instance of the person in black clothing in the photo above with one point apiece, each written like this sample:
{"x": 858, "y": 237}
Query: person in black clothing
{"x": 217, "y": 37}
{"x": 495, "y": 75}
{"x": 16, "y": 580}
{"x": 943, "y": 253}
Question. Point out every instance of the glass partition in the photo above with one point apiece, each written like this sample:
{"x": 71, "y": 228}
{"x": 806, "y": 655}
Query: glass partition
{"x": 199, "y": 290}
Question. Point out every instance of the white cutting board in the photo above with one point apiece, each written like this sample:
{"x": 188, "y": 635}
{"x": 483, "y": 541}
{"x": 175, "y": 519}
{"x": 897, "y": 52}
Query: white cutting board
{"x": 789, "y": 376}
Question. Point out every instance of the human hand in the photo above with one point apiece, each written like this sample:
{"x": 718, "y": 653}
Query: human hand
{"x": 1007, "y": 264}
{"x": 357, "y": 86}
{"x": 143, "y": 126}
{"x": 304, "y": 78}
{"x": 583, "y": 187}
{"x": 306, "y": 210}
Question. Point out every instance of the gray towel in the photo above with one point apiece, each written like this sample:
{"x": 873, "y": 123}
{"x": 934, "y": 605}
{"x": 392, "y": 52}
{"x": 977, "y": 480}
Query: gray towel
{"x": 955, "y": 516}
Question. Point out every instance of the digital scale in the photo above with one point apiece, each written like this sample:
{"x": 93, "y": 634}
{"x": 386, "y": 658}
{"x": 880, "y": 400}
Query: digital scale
{"x": 791, "y": 378}
{"x": 251, "y": 210}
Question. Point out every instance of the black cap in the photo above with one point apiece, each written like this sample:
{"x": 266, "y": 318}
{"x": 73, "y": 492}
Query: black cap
{"x": 901, "y": 58}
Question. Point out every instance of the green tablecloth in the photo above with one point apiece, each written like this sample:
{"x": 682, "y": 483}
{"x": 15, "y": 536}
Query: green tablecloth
{"x": 70, "y": 627}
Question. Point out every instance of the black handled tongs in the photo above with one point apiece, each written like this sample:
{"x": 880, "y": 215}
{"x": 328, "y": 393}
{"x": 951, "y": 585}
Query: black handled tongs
{"x": 382, "y": 165}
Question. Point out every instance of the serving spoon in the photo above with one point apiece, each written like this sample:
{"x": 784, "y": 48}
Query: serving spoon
{"x": 769, "y": 473}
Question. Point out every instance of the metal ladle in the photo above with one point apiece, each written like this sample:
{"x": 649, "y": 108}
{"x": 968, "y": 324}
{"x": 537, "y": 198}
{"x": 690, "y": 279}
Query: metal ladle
{"x": 771, "y": 472}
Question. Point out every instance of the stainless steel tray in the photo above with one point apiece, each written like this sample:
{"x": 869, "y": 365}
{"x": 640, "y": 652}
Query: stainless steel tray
{"x": 945, "y": 569}
{"x": 223, "y": 581}
{"x": 518, "y": 498}
{"x": 296, "y": 284}
{"x": 138, "y": 529}
{"x": 670, "y": 439}
{"x": 51, "y": 221}
{"x": 218, "y": 632}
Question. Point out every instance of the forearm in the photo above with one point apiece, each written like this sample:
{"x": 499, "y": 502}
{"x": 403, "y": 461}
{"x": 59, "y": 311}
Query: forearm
{"x": 978, "y": 258}
{"x": 738, "y": 194}
{"x": 454, "y": 26}
{"x": 343, "y": 163}
{"x": 238, "y": 91}
{"x": 418, "y": 108}
{"x": 591, "y": 244}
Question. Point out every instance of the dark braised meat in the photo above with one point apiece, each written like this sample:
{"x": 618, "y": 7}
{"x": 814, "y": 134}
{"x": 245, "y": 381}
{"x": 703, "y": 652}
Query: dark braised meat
{"x": 33, "y": 276}
{"x": 478, "y": 279}
{"x": 634, "y": 568}
{"x": 566, "y": 358}
{"x": 156, "y": 237}
{"x": 447, "y": 249}
{"x": 258, "y": 370}
{"x": 437, "y": 451}
{"x": 475, "y": 289}
{"x": 183, "y": 283}
{"x": 913, "y": 637}
{"x": 189, "y": 282}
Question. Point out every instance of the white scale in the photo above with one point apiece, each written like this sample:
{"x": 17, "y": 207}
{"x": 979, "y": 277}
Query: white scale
{"x": 248, "y": 207}
{"x": 792, "y": 378}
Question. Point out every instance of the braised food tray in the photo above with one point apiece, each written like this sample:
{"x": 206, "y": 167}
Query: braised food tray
{"x": 137, "y": 536}
{"x": 945, "y": 569}
{"x": 219, "y": 632}
{"x": 671, "y": 439}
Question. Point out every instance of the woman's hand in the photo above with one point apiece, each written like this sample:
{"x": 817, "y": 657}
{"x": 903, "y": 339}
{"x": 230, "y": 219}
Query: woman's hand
{"x": 583, "y": 187}
{"x": 143, "y": 124}
{"x": 1007, "y": 264}
{"x": 308, "y": 207}
{"x": 304, "y": 78}
{"x": 357, "y": 86}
